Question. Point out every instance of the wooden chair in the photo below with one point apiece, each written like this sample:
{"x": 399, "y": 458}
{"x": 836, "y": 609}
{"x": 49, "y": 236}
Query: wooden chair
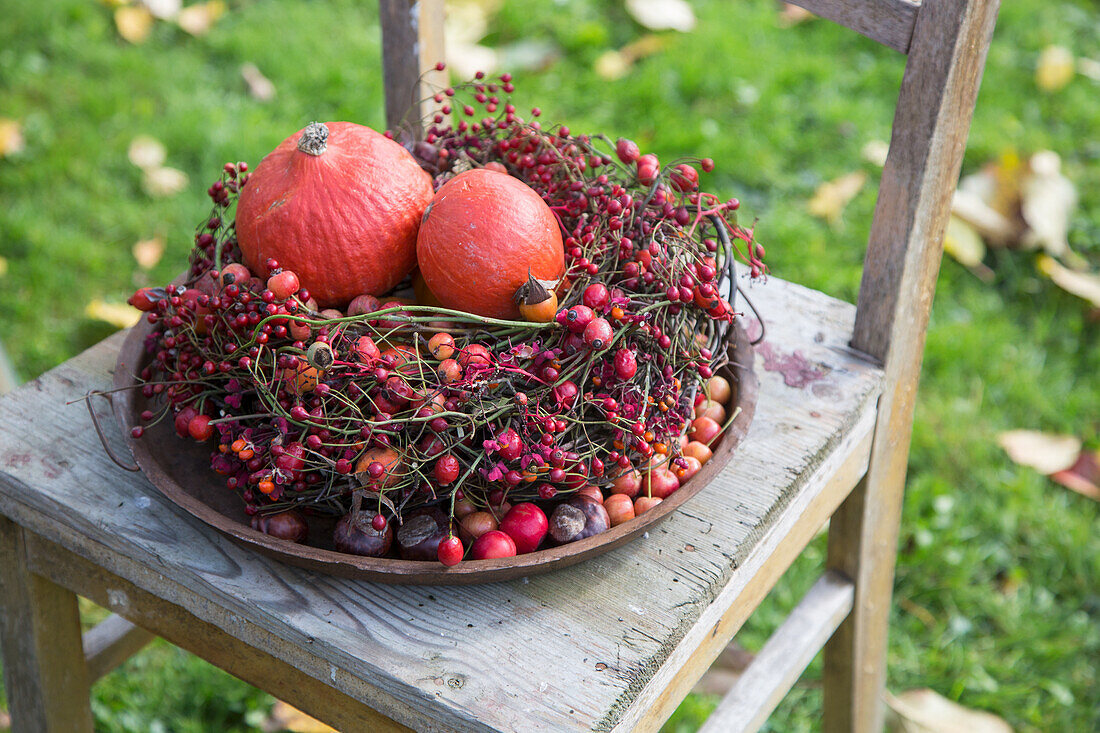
{"x": 612, "y": 644}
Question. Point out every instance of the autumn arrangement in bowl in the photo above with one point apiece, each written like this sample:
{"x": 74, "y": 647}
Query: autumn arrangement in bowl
{"x": 493, "y": 350}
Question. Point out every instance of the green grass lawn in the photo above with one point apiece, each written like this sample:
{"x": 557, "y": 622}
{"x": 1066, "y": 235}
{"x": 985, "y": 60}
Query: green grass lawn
{"x": 999, "y": 571}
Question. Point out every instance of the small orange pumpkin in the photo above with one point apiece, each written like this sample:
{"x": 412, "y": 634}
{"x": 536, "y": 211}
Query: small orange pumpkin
{"x": 339, "y": 204}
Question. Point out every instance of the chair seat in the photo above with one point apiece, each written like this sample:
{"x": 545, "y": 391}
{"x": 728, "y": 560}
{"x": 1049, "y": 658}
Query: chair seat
{"x": 614, "y": 642}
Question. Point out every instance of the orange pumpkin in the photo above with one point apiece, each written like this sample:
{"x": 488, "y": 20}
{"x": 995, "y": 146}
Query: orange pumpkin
{"x": 481, "y": 236}
{"x": 339, "y": 204}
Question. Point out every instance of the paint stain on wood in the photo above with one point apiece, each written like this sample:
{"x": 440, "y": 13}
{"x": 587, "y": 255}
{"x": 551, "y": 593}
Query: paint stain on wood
{"x": 796, "y": 369}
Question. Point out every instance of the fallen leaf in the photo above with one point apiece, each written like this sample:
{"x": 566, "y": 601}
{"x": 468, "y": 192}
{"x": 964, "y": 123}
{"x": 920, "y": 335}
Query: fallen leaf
{"x": 1082, "y": 284}
{"x": 875, "y": 152}
{"x": 964, "y": 244}
{"x": 831, "y": 197}
{"x": 1047, "y": 201}
{"x": 1045, "y": 452}
{"x": 148, "y": 252}
{"x": 1055, "y": 68}
{"x": 285, "y": 717}
{"x": 3, "y": 266}
{"x": 11, "y": 137}
{"x": 146, "y": 152}
{"x": 992, "y": 225}
{"x": 161, "y": 182}
{"x": 117, "y": 314}
{"x": 163, "y": 9}
{"x": 791, "y": 15}
{"x": 198, "y": 19}
{"x": 1089, "y": 68}
{"x": 259, "y": 86}
{"x": 1083, "y": 476}
{"x": 659, "y": 15}
{"x": 926, "y": 711}
{"x": 612, "y": 65}
{"x": 134, "y": 22}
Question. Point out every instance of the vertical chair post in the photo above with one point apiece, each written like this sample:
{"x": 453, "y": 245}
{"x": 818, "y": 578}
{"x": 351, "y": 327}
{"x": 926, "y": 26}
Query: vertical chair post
{"x": 935, "y": 105}
{"x": 44, "y": 672}
{"x": 412, "y": 44}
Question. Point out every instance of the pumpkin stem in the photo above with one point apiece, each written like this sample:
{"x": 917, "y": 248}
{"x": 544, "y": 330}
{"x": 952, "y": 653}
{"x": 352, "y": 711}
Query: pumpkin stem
{"x": 314, "y": 139}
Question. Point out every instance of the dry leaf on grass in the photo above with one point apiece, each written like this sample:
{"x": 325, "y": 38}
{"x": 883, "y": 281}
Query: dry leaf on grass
{"x": 162, "y": 182}
{"x": 1047, "y": 201}
{"x": 659, "y": 15}
{"x": 875, "y": 152}
{"x": 259, "y": 86}
{"x": 148, "y": 252}
{"x": 1082, "y": 284}
{"x": 285, "y": 717}
{"x": 119, "y": 315}
{"x": 926, "y": 711}
{"x": 198, "y": 19}
{"x": 1045, "y": 452}
{"x": 163, "y": 9}
{"x": 963, "y": 242}
{"x": 11, "y": 137}
{"x": 3, "y": 266}
{"x": 1055, "y": 68}
{"x": 791, "y": 15}
{"x": 134, "y": 22}
{"x": 833, "y": 196}
{"x": 146, "y": 152}
{"x": 1083, "y": 476}
{"x": 1089, "y": 68}
{"x": 612, "y": 65}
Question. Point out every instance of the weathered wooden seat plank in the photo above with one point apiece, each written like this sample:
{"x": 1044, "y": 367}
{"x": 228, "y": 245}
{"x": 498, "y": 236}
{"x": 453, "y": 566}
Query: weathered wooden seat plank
{"x": 613, "y": 638}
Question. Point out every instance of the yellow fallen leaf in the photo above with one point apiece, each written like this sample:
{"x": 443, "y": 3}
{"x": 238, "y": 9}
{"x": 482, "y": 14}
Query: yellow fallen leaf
{"x": 1055, "y": 68}
{"x": 161, "y": 182}
{"x": 146, "y": 152}
{"x": 134, "y": 22}
{"x": 831, "y": 197}
{"x": 117, "y": 314}
{"x": 259, "y": 86}
{"x": 11, "y": 137}
{"x": 926, "y": 711}
{"x": 964, "y": 244}
{"x": 612, "y": 65}
{"x": 659, "y": 15}
{"x": 285, "y": 717}
{"x": 875, "y": 152}
{"x": 1047, "y": 202}
{"x": 1045, "y": 452}
{"x": 1082, "y": 284}
{"x": 148, "y": 252}
{"x": 163, "y": 9}
{"x": 3, "y": 266}
{"x": 792, "y": 15}
{"x": 198, "y": 19}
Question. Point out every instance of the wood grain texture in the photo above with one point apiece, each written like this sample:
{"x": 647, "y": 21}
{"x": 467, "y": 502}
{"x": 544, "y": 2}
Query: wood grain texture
{"x": 255, "y": 666}
{"x": 890, "y": 22}
{"x": 933, "y": 115}
{"x": 412, "y": 44}
{"x": 110, "y": 643}
{"x": 45, "y": 679}
{"x": 608, "y": 632}
{"x": 784, "y": 657}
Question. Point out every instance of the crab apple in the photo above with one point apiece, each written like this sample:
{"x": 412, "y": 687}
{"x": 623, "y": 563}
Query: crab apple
{"x": 627, "y": 484}
{"x": 527, "y": 525}
{"x": 684, "y": 474}
{"x": 698, "y": 451}
{"x": 644, "y": 503}
{"x": 719, "y": 390}
{"x": 493, "y": 544}
{"x": 660, "y": 482}
{"x": 714, "y": 410}
{"x": 476, "y": 524}
{"x": 620, "y": 508}
{"x": 511, "y": 445}
{"x": 283, "y": 284}
{"x": 705, "y": 430}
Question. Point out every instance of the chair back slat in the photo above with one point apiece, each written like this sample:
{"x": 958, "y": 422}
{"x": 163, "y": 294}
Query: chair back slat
{"x": 931, "y": 123}
{"x": 412, "y": 44}
{"x": 890, "y": 22}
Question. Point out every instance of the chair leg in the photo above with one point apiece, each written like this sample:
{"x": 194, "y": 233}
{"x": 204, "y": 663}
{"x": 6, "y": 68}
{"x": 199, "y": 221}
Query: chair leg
{"x": 44, "y": 671}
{"x": 863, "y": 536}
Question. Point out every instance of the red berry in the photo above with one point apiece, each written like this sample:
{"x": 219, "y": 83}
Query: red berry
{"x": 627, "y": 150}
{"x": 199, "y": 428}
{"x": 685, "y": 178}
{"x": 577, "y": 317}
{"x": 625, "y": 364}
{"x": 450, "y": 551}
{"x": 598, "y": 334}
{"x": 378, "y": 522}
{"x": 511, "y": 445}
{"x": 446, "y": 469}
{"x": 597, "y": 296}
